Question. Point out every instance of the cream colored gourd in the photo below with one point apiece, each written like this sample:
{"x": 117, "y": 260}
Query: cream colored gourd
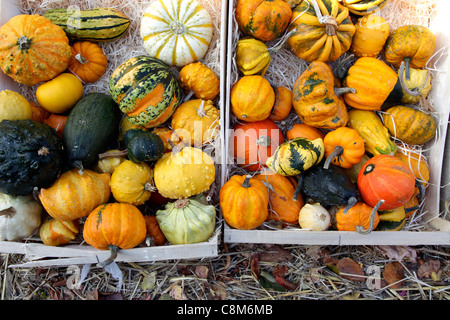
{"x": 184, "y": 173}
{"x": 109, "y": 161}
{"x": 187, "y": 221}
{"x": 177, "y": 32}
{"x": 19, "y": 217}
{"x": 314, "y": 217}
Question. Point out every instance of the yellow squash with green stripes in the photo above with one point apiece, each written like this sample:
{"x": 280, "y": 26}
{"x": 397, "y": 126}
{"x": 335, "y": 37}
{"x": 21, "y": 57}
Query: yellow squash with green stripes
{"x": 295, "y": 156}
{"x": 391, "y": 220}
{"x": 364, "y": 7}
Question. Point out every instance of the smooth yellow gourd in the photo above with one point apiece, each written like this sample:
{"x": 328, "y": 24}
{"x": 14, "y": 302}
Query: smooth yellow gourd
{"x": 14, "y": 106}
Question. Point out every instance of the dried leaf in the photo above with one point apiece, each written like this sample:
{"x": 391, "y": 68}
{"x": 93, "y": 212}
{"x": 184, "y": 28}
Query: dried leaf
{"x": 176, "y": 292}
{"x": 398, "y": 253}
{"x": 254, "y": 265}
{"x": 393, "y": 274}
{"x": 201, "y": 272}
{"x": 280, "y": 270}
{"x": 350, "y": 270}
{"x": 219, "y": 291}
{"x": 268, "y": 281}
{"x": 148, "y": 282}
{"x": 286, "y": 283}
{"x": 427, "y": 268}
{"x": 276, "y": 253}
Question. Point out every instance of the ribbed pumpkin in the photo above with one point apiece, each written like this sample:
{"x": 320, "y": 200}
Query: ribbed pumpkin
{"x": 177, "y": 32}
{"x": 265, "y": 20}
{"x": 54, "y": 232}
{"x": 74, "y": 195}
{"x": 146, "y": 90}
{"x": 281, "y": 192}
{"x": 344, "y": 147}
{"x": 254, "y": 142}
{"x": 410, "y": 125}
{"x": 252, "y": 98}
{"x": 244, "y": 202}
{"x": 114, "y": 226}
{"x": 387, "y": 178}
{"x": 314, "y": 98}
{"x": 33, "y": 49}
{"x": 357, "y": 216}
{"x": 371, "y": 34}
{"x": 88, "y": 61}
{"x": 323, "y": 32}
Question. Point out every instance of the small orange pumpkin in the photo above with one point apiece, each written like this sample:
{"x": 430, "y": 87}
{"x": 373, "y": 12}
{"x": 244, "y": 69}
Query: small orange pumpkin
{"x": 54, "y": 232}
{"x": 244, "y": 202}
{"x": 283, "y": 104}
{"x": 305, "y": 131}
{"x": 57, "y": 122}
{"x": 358, "y": 216}
{"x": 167, "y": 134}
{"x": 154, "y": 231}
{"x": 88, "y": 61}
{"x": 344, "y": 147}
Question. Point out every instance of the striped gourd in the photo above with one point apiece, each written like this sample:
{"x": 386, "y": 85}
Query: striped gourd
{"x": 177, "y": 32}
{"x": 98, "y": 25}
{"x": 391, "y": 220}
{"x": 146, "y": 90}
{"x": 295, "y": 156}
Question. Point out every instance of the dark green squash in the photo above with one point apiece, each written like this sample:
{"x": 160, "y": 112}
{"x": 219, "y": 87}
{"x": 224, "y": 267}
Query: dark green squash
{"x": 91, "y": 127}
{"x": 131, "y": 133}
{"x": 145, "y": 146}
{"x": 31, "y": 155}
{"x": 329, "y": 187}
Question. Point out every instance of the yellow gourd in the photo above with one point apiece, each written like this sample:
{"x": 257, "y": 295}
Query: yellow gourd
{"x": 14, "y": 106}
{"x": 371, "y": 34}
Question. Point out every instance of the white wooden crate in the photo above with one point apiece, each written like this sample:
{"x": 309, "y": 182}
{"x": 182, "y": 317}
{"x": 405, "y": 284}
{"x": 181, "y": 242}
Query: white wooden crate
{"x": 438, "y": 229}
{"x": 38, "y": 254}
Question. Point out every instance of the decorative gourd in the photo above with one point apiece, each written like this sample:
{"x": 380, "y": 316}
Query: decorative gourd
{"x": 314, "y": 98}
{"x": 97, "y": 24}
{"x": 57, "y": 122}
{"x": 329, "y": 187}
{"x": 154, "y": 231}
{"x": 114, "y": 226}
{"x": 305, "y": 131}
{"x": 254, "y": 142}
{"x": 184, "y": 173}
{"x": 14, "y": 106}
{"x": 265, "y": 20}
{"x": 281, "y": 189}
{"x": 20, "y": 216}
{"x": 88, "y": 61}
{"x": 371, "y": 34}
{"x": 132, "y": 182}
{"x": 364, "y": 7}
{"x": 375, "y": 84}
{"x": 200, "y": 79}
{"x": 109, "y": 161}
{"x": 387, "y": 178}
{"x": 283, "y": 104}
{"x": 377, "y": 139}
{"x": 391, "y": 220}
{"x": 177, "y": 32}
{"x": 187, "y": 221}
{"x": 146, "y": 90}
{"x": 296, "y": 156}
{"x": 410, "y": 125}
{"x": 145, "y": 146}
{"x": 358, "y": 216}
{"x": 344, "y": 147}
{"x": 31, "y": 155}
{"x": 314, "y": 217}
{"x": 74, "y": 195}
{"x": 95, "y": 115}
{"x": 54, "y": 232}
{"x": 411, "y": 207}
{"x": 33, "y": 49}
{"x": 417, "y": 86}
{"x": 252, "y": 98}
{"x": 196, "y": 121}
{"x": 252, "y": 56}
{"x": 60, "y": 94}
{"x": 415, "y": 161}
{"x": 38, "y": 113}
{"x": 412, "y": 44}
{"x": 167, "y": 134}
{"x": 131, "y": 133}
{"x": 324, "y": 30}
{"x": 244, "y": 202}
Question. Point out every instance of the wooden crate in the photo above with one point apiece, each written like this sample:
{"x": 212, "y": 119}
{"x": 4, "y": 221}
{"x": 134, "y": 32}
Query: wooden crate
{"x": 37, "y": 254}
{"x": 437, "y": 228}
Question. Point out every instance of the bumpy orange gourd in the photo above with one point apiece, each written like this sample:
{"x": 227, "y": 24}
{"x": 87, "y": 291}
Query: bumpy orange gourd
{"x": 200, "y": 79}
{"x": 344, "y": 147}
{"x": 252, "y": 98}
{"x": 371, "y": 34}
{"x": 74, "y": 195}
{"x": 114, "y": 226}
{"x": 244, "y": 202}
{"x": 33, "y": 49}
{"x": 88, "y": 61}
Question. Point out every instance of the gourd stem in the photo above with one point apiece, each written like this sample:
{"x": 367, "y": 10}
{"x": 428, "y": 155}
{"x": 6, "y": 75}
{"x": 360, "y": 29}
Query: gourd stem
{"x": 181, "y": 203}
{"x": 149, "y": 187}
{"x": 421, "y": 188}
{"x": 360, "y": 229}
{"x": 104, "y": 155}
{"x": 339, "y": 91}
{"x": 24, "y": 43}
{"x": 11, "y": 211}
{"x": 416, "y": 91}
{"x": 407, "y": 67}
{"x": 338, "y": 150}
{"x": 351, "y": 202}
{"x": 81, "y": 59}
{"x": 175, "y": 149}
{"x": 113, "y": 249}
{"x": 340, "y": 70}
{"x": 299, "y": 187}
{"x": 246, "y": 183}
{"x": 280, "y": 45}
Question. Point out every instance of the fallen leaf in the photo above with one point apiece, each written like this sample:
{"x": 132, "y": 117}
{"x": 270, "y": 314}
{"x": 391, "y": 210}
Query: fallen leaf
{"x": 219, "y": 291}
{"x": 398, "y": 253}
{"x": 275, "y": 253}
{"x": 254, "y": 265}
{"x": 393, "y": 274}
{"x": 268, "y": 281}
{"x": 280, "y": 270}
{"x": 201, "y": 272}
{"x": 286, "y": 283}
{"x": 350, "y": 270}
{"x": 427, "y": 268}
{"x": 149, "y": 281}
{"x": 176, "y": 292}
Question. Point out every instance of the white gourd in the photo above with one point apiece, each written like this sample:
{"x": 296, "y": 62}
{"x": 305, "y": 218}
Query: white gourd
{"x": 19, "y": 217}
{"x": 176, "y": 32}
{"x": 314, "y": 217}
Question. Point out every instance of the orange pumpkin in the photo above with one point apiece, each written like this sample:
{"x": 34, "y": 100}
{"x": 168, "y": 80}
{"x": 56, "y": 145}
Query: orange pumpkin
{"x": 88, "y": 61}
{"x": 357, "y": 216}
{"x": 33, "y": 49}
{"x": 305, "y": 131}
{"x": 244, "y": 202}
{"x": 344, "y": 147}
{"x": 167, "y": 134}
{"x": 154, "y": 231}
{"x": 114, "y": 226}
{"x": 75, "y": 195}
{"x": 283, "y": 104}
{"x": 57, "y": 122}
{"x": 38, "y": 113}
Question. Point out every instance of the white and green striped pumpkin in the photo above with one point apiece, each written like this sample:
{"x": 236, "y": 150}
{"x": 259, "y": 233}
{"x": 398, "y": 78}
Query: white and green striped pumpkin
{"x": 177, "y": 32}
